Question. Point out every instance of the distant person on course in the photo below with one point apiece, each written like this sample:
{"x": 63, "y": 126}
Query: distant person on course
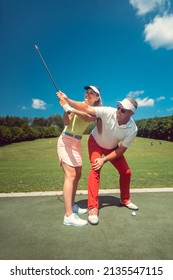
{"x": 70, "y": 153}
{"x": 118, "y": 132}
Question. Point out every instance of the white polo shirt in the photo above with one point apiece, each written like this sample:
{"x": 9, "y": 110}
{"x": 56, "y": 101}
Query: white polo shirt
{"x": 112, "y": 132}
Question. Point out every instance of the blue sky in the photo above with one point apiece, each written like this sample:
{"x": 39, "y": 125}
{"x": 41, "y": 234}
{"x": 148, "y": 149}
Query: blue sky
{"x": 125, "y": 47}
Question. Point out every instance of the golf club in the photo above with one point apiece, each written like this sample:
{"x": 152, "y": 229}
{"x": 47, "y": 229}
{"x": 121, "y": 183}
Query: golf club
{"x": 50, "y": 75}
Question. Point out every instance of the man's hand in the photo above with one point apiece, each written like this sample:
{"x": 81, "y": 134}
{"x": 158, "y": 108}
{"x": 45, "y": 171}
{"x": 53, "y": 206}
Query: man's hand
{"x": 98, "y": 163}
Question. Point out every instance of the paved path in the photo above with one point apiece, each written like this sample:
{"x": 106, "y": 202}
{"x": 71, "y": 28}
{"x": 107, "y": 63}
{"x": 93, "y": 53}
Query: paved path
{"x": 54, "y": 193}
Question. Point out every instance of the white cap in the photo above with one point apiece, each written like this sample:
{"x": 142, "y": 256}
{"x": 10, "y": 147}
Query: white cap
{"x": 94, "y": 88}
{"x": 127, "y": 105}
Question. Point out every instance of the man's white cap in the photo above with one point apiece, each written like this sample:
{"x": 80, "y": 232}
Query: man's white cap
{"x": 127, "y": 105}
{"x": 94, "y": 88}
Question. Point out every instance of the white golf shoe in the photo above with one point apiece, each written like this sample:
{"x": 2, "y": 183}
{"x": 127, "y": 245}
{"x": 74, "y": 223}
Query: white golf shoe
{"x": 74, "y": 220}
{"x": 129, "y": 205}
{"x": 93, "y": 216}
{"x": 76, "y": 209}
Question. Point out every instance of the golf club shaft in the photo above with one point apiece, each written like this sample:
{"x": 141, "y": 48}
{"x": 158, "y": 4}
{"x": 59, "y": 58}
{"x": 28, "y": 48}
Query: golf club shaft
{"x": 50, "y": 75}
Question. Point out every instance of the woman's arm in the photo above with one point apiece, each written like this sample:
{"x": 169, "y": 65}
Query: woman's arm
{"x": 80, "y": 106}
{"x": 67, "y": 117}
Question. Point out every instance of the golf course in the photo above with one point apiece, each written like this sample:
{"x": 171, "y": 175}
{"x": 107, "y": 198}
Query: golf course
{"x": 32, "y": 226}
{"x": 33, "y": 166}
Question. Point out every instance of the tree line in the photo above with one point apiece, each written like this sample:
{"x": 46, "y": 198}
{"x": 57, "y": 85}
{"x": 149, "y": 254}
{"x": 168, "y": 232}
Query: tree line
{"x": 15, "y": 129}
{"x": 156, "y": 128}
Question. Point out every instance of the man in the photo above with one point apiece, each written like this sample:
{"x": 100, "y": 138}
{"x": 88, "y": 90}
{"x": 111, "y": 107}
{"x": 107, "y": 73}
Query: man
{"x": 118, "y": 132}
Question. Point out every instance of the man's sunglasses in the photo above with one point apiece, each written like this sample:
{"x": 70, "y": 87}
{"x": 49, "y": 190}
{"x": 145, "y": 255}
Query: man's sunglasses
{"x": 122, "y": 110}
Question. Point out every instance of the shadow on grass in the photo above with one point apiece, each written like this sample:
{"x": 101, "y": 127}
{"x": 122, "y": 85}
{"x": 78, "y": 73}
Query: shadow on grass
{"x": 104, "y": 201}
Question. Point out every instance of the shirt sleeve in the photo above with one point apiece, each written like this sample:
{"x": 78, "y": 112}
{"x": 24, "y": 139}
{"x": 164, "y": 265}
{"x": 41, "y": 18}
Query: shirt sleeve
{"x": 129, "y": 139}
{"x": 103, "y": 111}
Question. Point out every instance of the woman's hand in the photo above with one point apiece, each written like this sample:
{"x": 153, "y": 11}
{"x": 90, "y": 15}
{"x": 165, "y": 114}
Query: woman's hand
{"x": 62, "y": 101}
{"x": 61, "y": 95}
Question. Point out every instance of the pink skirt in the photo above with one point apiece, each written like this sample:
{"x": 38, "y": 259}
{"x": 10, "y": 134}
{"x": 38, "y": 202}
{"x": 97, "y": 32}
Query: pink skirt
{"x": 69, "y": 150}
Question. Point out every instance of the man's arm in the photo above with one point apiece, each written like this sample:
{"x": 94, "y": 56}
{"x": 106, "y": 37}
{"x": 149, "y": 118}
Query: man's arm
{"x": 116, "y": 154}
{"x": 99, "y": 162}
{"x": 86, "y": 117}
{"x": 81, "y": 106}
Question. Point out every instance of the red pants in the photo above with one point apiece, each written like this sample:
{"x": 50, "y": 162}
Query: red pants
{"x": 95, "y": 151}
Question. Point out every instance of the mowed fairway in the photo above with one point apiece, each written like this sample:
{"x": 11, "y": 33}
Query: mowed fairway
{"x": 33, "y": 166}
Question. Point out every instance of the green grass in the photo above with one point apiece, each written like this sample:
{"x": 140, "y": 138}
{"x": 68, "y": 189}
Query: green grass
{"x": 34, "y": 166}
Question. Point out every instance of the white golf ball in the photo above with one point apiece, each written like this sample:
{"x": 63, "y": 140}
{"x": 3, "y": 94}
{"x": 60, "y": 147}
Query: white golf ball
{"x": 133, "y": 213}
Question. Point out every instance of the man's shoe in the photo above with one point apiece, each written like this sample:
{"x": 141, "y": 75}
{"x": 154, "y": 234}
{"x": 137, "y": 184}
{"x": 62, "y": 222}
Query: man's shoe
{"x": 93, "y": 216}
{"x": 129, "y": 205}
{"x": 76, "y": 209}
{"x": 74, "y": 220}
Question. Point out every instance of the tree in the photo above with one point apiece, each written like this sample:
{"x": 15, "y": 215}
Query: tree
{"x": 40, "y": 122}
{"x": 156, "y": 128}
{"x": 12, "y": 121}
{"x": 5, "y": 135}
{"x": 56, "y": 120}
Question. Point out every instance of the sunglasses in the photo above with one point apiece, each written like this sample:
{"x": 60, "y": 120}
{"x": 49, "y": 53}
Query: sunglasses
{"x": 122, "y": 110}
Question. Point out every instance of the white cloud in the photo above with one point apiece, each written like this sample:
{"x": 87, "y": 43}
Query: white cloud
{"x": 38, "y": 104}
{"x": 160, "y": 98}
{"x": 146, "y": 102}
{"x": 23, "y": 107}
{"x": 146, "y": 6}
{"x": 159, "y": 33}
{"x": 133, "y": 94}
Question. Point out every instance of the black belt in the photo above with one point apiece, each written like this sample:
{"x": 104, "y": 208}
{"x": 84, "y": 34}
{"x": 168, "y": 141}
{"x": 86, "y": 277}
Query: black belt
{"x": 72, "y": 135}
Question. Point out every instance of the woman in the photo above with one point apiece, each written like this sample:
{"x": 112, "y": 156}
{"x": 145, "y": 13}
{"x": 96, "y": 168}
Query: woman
{"x": 70, "y": 154}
